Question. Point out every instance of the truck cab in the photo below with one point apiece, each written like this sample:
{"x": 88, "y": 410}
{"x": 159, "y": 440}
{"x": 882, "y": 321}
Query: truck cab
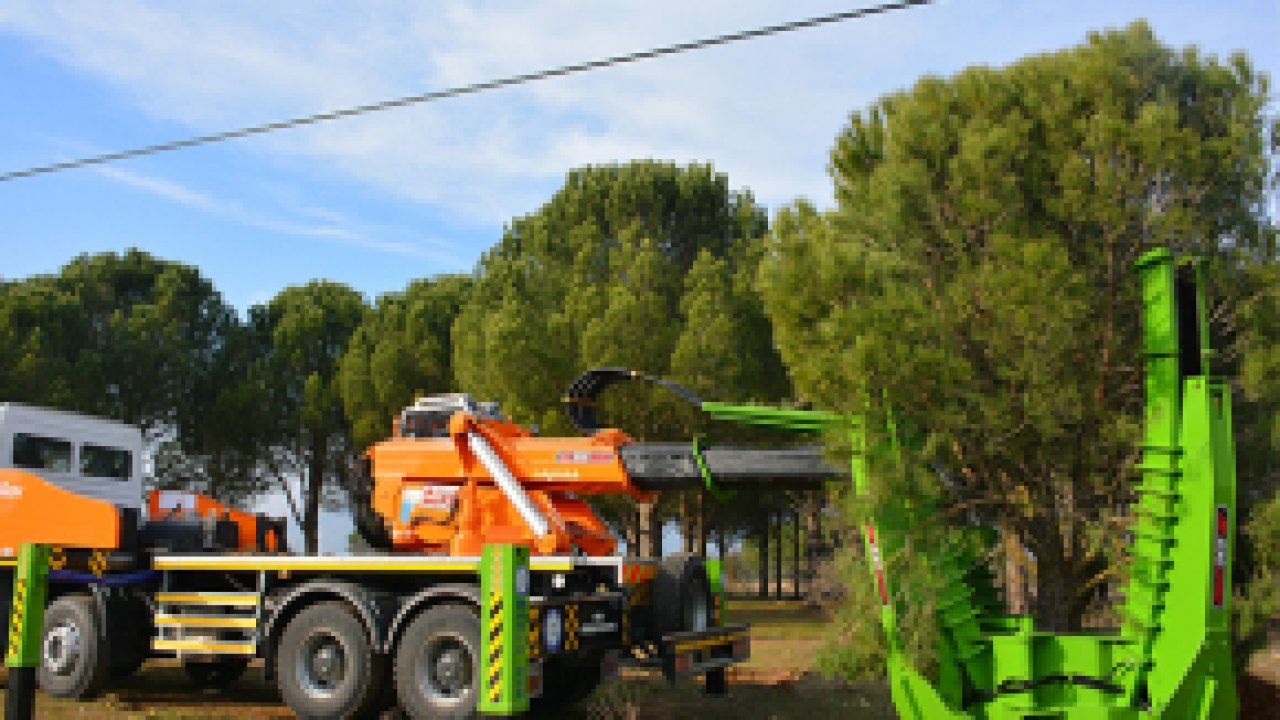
{"x": 91, "y": 457}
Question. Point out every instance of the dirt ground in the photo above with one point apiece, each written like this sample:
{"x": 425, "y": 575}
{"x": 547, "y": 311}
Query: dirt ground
{"x": 778, "y": 683}
{"x": 160, "y": 692}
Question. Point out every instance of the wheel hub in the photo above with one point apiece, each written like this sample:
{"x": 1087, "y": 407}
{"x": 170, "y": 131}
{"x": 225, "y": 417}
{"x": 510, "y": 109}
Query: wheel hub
{"x": 61, "y": 649}
{"x": 448, "y": 666}
{"x": 322, "y": 666}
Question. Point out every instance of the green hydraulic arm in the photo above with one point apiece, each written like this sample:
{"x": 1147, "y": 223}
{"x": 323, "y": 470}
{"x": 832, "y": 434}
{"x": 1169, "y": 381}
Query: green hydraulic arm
{"x": 1171, "y": 659}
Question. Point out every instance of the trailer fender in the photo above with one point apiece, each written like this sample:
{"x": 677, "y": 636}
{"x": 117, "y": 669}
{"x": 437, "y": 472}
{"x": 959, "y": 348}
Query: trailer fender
{"x": 464, "y": 593}
{"x": 373, "y": 608}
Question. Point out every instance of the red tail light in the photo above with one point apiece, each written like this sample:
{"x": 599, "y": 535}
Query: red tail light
{"x": 1221, "y": 551}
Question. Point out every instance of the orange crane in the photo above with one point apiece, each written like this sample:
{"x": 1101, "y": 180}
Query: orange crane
{"x": 456, "y": 476}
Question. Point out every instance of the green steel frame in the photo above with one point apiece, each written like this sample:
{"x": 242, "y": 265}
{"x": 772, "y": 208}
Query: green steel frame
{"x": 26, "y": 622}
{"x": 1172, "y": 657}
{"x": 504, "y": 630}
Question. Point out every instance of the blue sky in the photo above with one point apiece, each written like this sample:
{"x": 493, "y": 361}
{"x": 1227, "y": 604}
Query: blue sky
{"x": 378, "y": 201}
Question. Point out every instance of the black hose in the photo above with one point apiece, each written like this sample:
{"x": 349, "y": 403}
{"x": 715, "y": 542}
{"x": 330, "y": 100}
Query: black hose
{"x": 580, "y": 399}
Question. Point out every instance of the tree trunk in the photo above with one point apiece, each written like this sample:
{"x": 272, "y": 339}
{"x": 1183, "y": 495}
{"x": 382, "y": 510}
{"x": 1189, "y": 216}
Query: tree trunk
{"x": 1015, "y": 572}
{"x": 1059, "y": 602}
{"x": 650, "y": 534}
{"x": 700, "y": 523}
{"x": 632, "y": 532}
{"x": 795, "y": 556}
{"x": 720, "y": 541}
{"x": 813, "y": 538}
{"x": 687, "y": 521}
{"x": 764, "y": 555}
{"x": 777, "y": 559}
{"x": 314, "y": 484}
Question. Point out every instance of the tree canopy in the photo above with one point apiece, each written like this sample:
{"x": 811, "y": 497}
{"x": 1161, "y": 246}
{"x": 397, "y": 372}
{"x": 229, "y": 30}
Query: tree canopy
{"x": 402, "y": 350}
{"x": 977, "y": 276}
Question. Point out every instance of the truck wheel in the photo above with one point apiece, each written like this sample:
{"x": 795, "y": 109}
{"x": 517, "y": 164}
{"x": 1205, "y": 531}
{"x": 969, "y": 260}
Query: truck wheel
{"x": 326, "y": 666}
{"x": 73, "y": 662}
{"x": 682, "y": 595}
{"x": 215, "y": 674}
{"x": 437, "y": 665}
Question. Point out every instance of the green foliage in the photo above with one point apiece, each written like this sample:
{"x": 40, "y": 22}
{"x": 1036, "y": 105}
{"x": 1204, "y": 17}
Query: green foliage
{"x": 976, "y": 274}
{"x": 594, "y": 277}
{"x": 1257, "y": 422}
{"x": 402, "y": 350}
{"x": 628, "y": 265}
{"x": 126, "y": 336}
{"x": 130, "y": 337}
{"x": 302, "y": 335}
{"x": 1259, "y": 599}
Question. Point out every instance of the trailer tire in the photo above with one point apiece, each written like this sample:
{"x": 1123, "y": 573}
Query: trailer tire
{"x": 326, "y": 666}
{"x": 682, "y": 598}
{"x": 74, "y": 662}
{"x": 215, "y": 674}
{"x": 437, "y": 668}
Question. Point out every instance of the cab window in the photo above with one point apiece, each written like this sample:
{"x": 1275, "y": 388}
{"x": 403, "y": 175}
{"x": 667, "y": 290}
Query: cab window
{"x": 105, "y": 462}
{"x": 38, "y": 452}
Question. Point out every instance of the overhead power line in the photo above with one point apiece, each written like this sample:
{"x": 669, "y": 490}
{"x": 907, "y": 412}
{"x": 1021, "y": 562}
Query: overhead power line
{"x": 466, "y": 89}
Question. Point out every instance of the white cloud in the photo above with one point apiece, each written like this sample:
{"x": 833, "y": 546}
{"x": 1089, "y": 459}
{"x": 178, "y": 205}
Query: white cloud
{"x": 333, "y": 227}
{"x": 765, "y": 112}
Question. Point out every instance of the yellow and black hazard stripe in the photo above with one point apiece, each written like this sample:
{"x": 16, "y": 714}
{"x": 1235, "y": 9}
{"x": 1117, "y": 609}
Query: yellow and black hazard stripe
{"x": 57, "y": 558}
{"x": 496, "y": 647}
{"x": 16, "y": 621}
{"x": 98, "y": 563}
{"x": 571, "y": 626}
{"x": 535, "y": 632}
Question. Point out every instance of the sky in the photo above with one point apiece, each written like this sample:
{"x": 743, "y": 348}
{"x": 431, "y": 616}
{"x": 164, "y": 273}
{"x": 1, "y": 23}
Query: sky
{"x": 380, "y": 200}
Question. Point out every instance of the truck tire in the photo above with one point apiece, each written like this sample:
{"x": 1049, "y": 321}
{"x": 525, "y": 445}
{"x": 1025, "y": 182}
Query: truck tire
{"x": 326, "y": 666}
{"x": 437, "y": 666}
{"x": 682, "y": 595}
{"x": 73, "y": 660}
{"x": 215, "y": 674}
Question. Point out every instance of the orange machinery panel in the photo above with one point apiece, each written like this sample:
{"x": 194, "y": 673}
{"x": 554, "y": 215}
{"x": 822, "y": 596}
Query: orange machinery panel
{"x": 34, "y": 511}
{"x": 435, "y": 497}
{"x": 195, "y": 505}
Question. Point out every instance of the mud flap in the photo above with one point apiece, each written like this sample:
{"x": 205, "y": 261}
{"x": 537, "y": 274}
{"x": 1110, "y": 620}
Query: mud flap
{"x": 698, "y": 653}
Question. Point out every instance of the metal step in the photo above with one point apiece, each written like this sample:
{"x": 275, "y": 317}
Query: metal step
{"x": 206, "y": 624}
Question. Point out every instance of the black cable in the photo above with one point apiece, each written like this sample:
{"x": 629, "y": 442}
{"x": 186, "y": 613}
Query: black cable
{"x": 466, "y": 89}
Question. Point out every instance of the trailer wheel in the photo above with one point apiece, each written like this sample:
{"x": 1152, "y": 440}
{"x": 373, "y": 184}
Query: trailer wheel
{"x": 326, "y": 666}
{"x": 437, "y": 664}
{"x": 215, "y": 674}
{"x": 73, "y": 662}
{"x": 682, "y": 595}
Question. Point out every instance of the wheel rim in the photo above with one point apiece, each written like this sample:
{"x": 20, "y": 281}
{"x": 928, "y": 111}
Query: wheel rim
{"x": 62, "y": 648}
{"x": 322, "y": 665}
{"x": 445, "y": 669}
